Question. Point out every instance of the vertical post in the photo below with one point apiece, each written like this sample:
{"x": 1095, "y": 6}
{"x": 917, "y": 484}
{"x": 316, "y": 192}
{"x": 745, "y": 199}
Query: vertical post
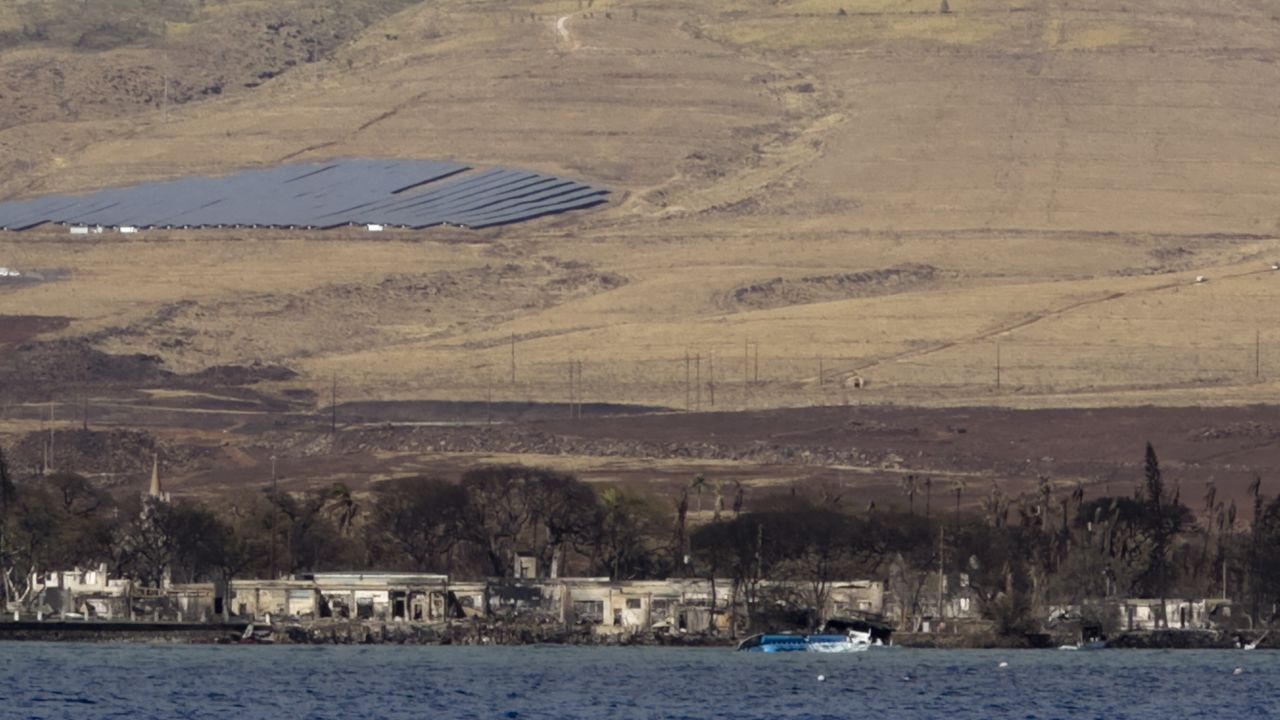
{"x": 513, "y": 358}
{"x": 997, "y": 366}
{"x": 711, "y": 384}
{"x": 1257, "y": 354}
{"x": 333, "y": 405}
{"x": 579, "y": 376}
{"x": 697, "y": 382}
{"x": 687, "y": 389}
{"x": 1224, "y": 577}
{"x": 571, "y": 387}
{"x": 746, "y": 373}
{"x": 756, "y": 371}
{"x": 51, "y": 453}
{"x": 942, "y": 578}
{"x": 275, "y": 509}
{"x": 821, "y": 375}
{"x": 488, "y": 397}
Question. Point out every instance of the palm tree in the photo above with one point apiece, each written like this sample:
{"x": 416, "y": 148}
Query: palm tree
{"x": 682, "y": 537}
{"x": 996, "y": 507}
{"x": 958, "y": 486}
{"x": 928, "y": 496}
{"x": 342, "y": 507}
{"x": 909, "y": 487}
{"x": 699, "y": 485}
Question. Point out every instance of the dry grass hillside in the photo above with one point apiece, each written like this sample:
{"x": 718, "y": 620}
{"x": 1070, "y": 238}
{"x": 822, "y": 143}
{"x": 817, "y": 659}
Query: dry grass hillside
{"x": 805, "y": 192}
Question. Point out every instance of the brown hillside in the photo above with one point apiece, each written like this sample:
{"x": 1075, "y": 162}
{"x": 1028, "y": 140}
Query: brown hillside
{"x": 1065, "y": 171}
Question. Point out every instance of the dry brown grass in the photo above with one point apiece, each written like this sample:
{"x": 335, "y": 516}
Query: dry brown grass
{"x": 1070, "y": 171}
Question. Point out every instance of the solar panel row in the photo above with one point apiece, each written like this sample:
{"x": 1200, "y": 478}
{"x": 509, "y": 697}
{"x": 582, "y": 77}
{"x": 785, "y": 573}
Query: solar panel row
{"x": 392, "y": 193}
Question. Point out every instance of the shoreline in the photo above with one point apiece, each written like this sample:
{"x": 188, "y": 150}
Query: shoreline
{"x": 493, "y": 635}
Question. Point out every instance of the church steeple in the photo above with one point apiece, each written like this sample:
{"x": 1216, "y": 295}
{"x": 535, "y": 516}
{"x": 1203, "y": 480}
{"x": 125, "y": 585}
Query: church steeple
{"x": 156, "y": 491}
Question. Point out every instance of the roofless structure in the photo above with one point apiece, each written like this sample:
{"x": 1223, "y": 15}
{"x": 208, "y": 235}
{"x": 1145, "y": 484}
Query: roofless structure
{"x": 388, "y": 193}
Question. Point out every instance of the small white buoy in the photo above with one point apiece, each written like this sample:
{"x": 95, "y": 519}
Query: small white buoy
{"x": 822, "y": 678}
{"x": 1238, "y": 671}
{"x": 1004, "y": 664}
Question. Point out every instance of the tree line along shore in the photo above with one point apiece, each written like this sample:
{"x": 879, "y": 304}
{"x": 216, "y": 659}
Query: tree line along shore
{"x": 1049, "y": 564}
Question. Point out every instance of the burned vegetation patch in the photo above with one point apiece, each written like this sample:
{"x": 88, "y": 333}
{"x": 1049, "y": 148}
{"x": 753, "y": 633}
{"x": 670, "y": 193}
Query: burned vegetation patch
{"x": 39, "y": 370}
{"x": 276, "y": 327}
{"x": 1243, "y": 430}
{"x": 15, "y": 329}
{"x": 783, "y": 292}
{"x": 111, "y": 457}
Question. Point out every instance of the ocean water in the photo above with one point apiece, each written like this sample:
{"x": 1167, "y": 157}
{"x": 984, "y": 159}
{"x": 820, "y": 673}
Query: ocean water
{"x": 39, "y": 680}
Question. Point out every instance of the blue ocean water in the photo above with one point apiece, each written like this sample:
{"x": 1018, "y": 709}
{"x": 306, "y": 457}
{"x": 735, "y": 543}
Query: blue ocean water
{"x": 40, "y": 680}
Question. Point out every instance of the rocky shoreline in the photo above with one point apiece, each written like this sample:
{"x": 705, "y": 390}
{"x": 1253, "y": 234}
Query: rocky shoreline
{"x": 495, "y": 634}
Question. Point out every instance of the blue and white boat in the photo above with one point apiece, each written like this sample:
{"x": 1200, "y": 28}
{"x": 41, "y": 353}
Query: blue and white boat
{"x": 853, "y": 641}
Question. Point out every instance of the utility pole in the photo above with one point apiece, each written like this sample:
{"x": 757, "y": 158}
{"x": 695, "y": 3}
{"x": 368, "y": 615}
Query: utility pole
{"x": 697, "y": 382}
{"x": 821, "y": 377}
{"x": 571, "y": 387}
{"x": 942, "y": 578}
{"x": 488, "y": 397}
{"x": 333, "y": 405}
{"x": 756, "y": 372}
{"x": 1257, "y": 354}
{"x": 513, "y": 358}
{"x": 49, "y": 465}
{"x": 85, "y": 406}
{"x": 275, "y": 509}
{"x": 746, "y": 373}
{"x": 687, "y": 390}
{"x": 579, "y": 393}
{"x": 711, "y": 383}
{"x": 997, "y": 366}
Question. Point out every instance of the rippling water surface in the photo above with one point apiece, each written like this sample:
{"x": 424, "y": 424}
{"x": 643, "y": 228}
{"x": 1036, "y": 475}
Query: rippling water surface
{"x": 150, "y": 681}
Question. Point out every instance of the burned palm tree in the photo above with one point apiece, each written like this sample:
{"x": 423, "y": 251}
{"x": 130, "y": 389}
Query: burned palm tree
{"x": 342, "y": 507}
{"x": 699, "y": 486}
{"x": 910, "y": 485}
{"x": 996, "y": 507}
{"x": 958, "y": 487}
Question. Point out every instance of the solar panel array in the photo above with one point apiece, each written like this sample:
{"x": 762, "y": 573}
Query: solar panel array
{"x": 392, "y": 193}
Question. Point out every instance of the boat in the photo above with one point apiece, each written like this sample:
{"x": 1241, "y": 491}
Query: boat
{"x": 1091, "y": 641}
{"x": 852, "y": 641}
{"x": 838, "y": 635}
{"x": 255, "y": 635}
{"x": 1093, "y": 645}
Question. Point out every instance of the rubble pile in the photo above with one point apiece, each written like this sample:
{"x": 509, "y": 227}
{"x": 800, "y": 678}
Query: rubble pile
{"x": 524, "y": 440}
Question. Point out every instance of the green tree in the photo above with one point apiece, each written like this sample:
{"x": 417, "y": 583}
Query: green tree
{"x": 629, "y": 537}
{"x": 8, "y": 495}
{"x": 419, "y": 519}
{"x": 1165, "y": 517}
{"x": 59, "y": 523}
